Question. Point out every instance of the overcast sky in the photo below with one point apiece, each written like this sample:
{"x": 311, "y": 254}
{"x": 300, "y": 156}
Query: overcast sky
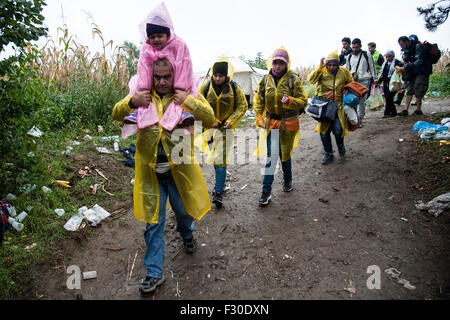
{"x": 308, "y": 29}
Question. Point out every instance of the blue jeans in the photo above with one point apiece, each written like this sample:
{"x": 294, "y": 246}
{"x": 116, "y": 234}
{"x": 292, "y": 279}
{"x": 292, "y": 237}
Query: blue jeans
{"x": 273, "y": 158}
{"x": 221, "y": 175}
{"x": 154, "y": 233}
{"x": 337, "y": 130}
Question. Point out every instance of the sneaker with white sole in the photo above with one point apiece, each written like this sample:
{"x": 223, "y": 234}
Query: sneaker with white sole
{"x": 265, "y": 199}
{"x": 149, "y": 284}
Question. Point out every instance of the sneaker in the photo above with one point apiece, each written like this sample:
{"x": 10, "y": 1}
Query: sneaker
{"x": 404, "y": 113}
{"x": 327, "y": 158}
{"x": 342, "y": 151}
{"x": 417, "y": 113}
{"x": 149, "y": 284}
{"x": 265, "y": 199}
{"x": 217, "y": 199}
{"x": 189, "y": 245}
{"x": 287, "y": 186}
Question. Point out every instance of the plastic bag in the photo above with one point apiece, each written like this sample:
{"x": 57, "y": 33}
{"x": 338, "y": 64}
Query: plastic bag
{"x": 351, "y": 100}
{"x": 425, "y": 125}
{"x": 375, "y": 102}
{"x": 396, "y": 83}
{"x": 351, "y": 115}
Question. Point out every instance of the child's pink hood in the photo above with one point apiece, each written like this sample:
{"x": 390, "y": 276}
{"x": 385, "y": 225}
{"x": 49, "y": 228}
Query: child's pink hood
{"x": 160, "y": 16}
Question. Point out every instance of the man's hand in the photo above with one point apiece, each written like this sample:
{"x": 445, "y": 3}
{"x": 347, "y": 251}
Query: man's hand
{"x": 180, "y": 96}
{"x": 285, "y": 99}
{"x": 141, "y": 98}
{"x": 322, "y": 62}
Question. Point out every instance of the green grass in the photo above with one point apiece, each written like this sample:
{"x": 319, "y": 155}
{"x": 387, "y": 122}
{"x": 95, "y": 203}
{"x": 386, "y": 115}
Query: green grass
{"x": 43, "y": 226}
{"x": 439, "y": 83}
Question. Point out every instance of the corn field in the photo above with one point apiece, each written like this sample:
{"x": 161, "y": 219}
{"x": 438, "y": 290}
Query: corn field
{"x": 58, "y": 62}
{"x": 443, "y": 64}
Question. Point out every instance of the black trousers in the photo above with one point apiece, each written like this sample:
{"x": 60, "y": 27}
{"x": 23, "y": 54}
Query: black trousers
{"x": 390, "y": 109}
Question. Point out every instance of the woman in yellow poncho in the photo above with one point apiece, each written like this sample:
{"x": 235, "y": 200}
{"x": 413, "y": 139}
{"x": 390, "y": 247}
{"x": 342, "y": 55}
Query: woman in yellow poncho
{"x": 279, "y": 98}
{"x": 229, "y": 104}
{"x": 330, "y": 80}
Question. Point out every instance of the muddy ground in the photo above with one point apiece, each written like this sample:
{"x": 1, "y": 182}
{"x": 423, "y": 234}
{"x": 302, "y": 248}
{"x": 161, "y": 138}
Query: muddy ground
{"x": 311, "y": 243}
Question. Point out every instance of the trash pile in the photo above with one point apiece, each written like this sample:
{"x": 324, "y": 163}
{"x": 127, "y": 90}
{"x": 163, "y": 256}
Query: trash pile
{"x": 10, "y": 218}
{"x": 94, "y": 216}
{"x": 437, "y": 205}
{"x": 433, "y": 131}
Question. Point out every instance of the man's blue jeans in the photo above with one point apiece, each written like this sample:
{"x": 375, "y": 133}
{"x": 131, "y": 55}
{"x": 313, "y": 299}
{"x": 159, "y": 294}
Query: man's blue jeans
{"x": 154, "y": 233}
{"x": 221, "y": 175}
{"x": 336, "y": 128}
{"x": 273, "y": 158}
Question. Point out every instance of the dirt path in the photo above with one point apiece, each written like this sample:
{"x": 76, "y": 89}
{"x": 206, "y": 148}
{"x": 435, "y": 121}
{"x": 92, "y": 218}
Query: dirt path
{"x": 308, "y": 244}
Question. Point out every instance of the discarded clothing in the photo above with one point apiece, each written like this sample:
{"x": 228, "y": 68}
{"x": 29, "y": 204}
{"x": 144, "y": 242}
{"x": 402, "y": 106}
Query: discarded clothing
{"x": 129, "y": 155}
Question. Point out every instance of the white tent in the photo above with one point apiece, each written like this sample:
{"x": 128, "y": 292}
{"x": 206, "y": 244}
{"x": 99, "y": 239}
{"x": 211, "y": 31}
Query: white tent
{"x": 245, "y": 76}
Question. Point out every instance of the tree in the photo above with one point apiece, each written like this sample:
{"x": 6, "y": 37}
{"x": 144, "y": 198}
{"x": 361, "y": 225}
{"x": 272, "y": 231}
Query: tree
{"x": 435, "y": 15}
{"x": 258, "y": 62}
{"x": 22, "y": 92}
{"x": 20, "y": 22}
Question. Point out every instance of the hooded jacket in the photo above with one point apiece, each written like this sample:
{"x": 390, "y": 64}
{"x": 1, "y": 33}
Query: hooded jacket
{"x": 419, "y": 62}
{"x": 332, "y": 88}
{"x": 185, "y": 170}
{"x": 225, "y": 111}
{"x": 267, "y": 103}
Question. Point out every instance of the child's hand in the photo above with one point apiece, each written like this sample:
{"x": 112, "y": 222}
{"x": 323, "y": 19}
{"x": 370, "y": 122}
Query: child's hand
{"x": 285, "y": 99}
{"x": 180, "y": 96}
{"x": 141, "y": 98}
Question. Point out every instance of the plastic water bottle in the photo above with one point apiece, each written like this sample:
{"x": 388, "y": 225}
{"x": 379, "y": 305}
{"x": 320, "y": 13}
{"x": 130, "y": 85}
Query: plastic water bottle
{"x": 16, "y": 225}
{"x": 21, "y": 216}
{"x": 116, "y": 146}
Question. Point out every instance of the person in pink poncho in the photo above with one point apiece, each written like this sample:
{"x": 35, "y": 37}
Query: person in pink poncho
{"x": 160, "y": 41}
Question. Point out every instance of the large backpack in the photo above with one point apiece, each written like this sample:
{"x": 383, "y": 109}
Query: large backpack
{"x": 434, "y": 54}
{"x": 233, "y": 86}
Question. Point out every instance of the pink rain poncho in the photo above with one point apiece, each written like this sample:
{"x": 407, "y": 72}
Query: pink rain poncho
{"x": 177, "y": 52}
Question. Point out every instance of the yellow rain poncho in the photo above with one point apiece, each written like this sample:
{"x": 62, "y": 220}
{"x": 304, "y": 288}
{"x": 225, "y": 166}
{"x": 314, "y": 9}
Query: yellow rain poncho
{"x": 267, "y": 101}
{"x": 227, "y": 109}
{"x": 331, "y": 88}
{"x": 186, "y": 171}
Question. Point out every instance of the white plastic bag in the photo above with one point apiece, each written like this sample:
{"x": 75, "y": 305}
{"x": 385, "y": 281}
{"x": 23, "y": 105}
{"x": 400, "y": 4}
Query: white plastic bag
{"x": 74, "y": 223}
{"x": 351, "y": 115}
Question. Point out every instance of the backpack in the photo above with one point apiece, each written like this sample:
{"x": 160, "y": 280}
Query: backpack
{"x": 434, "y": 54}
{"x": 233, "y": 86}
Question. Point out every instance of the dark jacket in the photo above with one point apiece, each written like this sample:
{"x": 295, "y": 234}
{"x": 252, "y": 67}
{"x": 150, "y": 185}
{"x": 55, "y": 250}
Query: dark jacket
{"x": 342, "y": 60}
{"x": 418, "y": 59}
{"x": 384, "y": 72}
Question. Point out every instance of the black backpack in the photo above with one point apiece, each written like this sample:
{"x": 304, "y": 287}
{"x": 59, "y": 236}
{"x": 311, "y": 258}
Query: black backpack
{"x": 434, "y": 54}
{"x": 233, "y": 86}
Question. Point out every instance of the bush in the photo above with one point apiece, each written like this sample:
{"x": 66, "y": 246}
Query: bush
{"x": 440, "y": 82}
{"x": 86, "y": 102}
